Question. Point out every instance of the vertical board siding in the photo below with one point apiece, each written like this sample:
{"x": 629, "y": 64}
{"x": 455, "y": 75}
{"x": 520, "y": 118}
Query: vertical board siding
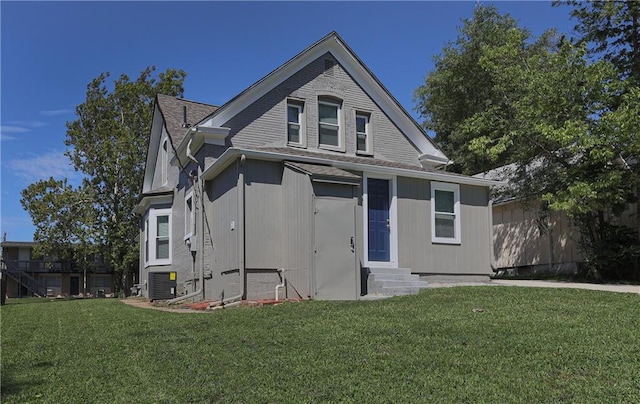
{"x": 418, "y": 252}
{"x": 264, "y": 122}
{"x": 518, "y": 241}
{"x": 264, "y": 214}
{"x": 221, "y": 242}
{"x": 297, "y": 232}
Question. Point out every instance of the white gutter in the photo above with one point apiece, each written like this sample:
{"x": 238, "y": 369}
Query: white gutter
{"x": 492, "y": 255}
{"x": 231, "y": 154}
{"x": 281, "y": 270}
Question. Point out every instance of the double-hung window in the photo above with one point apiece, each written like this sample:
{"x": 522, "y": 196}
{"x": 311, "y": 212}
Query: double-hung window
{"x": 295, "y": 124}
{"x": 329, "y": 132}
{"x": 363, "y": 133}
{"x": 158, "y": 237}
{"x": 445, "y": 213}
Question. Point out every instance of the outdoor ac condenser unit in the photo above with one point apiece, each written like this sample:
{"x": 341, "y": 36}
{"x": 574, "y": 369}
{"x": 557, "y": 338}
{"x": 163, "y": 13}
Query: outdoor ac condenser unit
{"x": 162, "y": 285}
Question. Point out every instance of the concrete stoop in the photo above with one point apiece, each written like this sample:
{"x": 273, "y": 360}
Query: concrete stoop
{"x": 393, "y": 282}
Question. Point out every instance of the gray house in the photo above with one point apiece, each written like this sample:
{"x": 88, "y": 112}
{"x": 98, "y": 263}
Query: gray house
{"x": 313, "y": 183}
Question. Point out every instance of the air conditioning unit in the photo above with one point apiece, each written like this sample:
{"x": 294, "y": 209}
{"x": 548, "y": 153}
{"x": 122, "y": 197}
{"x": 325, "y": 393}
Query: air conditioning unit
{"x": 162, "y": 285}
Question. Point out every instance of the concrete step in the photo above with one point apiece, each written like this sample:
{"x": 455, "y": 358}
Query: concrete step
{"x": 393, "y": 282}
{"x": 393, "y": 277}
{"x": 376, "y": 284}
{"x": 375, "y": 270}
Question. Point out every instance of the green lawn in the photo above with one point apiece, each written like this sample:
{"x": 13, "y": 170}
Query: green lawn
{"x": 527, "y": 345}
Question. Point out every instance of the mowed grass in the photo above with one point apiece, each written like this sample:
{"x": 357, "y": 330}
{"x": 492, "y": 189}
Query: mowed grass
{"x": 524, "y": 345}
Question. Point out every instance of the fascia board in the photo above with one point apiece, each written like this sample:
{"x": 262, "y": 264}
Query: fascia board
{"x": 152, "y": 151}
{"x": 232, "y": 153}
{"x": 355, "y": 68}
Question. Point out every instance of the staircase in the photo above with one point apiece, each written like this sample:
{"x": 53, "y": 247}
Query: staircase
{"x": 23, "y": 279}
{"x": 393, "y": 282}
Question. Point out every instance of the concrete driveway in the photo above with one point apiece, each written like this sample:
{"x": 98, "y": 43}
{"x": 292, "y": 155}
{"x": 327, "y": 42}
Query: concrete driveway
{"x": 569, "y": 285}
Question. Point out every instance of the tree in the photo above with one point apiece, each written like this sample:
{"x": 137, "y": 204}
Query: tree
{"x": 107, "y": 143}
{"x": 572, "y": 132}
{"x": 459, "y": 87}
{"x": 569, "y": 125}
{"x": 612, "y": 29}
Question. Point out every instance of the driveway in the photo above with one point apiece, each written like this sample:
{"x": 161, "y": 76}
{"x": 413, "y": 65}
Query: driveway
{"x": 569, "y": 285}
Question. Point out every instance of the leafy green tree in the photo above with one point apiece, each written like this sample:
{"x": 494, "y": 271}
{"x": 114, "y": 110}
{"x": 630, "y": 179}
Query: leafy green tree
{"x": 569, "y": 124}
{"x": 458, "y": 87}
{"x": 572, "y": 132}
{"x": 612, "y": 31}
{"x": 107, "y": 144}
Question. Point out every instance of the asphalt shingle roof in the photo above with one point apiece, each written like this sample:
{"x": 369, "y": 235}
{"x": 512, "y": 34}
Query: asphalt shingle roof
{"x": 173, "y": 113}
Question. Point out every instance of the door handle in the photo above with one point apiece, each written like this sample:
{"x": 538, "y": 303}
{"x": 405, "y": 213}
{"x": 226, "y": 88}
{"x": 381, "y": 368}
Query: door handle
{"x": 388, "y": 225}
{"x": 353, "y": 246}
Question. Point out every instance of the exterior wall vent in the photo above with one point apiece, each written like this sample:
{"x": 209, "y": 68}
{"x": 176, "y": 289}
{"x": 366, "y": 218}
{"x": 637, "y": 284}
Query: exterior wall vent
{"x": 162, "y": 285}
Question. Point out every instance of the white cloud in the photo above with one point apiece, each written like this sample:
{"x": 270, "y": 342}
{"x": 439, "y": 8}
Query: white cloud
{"x": 36, "y": 167}
{"x": 56, "y": 112}
{"x": 31, "y": 124}
{"x": 13, "y": 129}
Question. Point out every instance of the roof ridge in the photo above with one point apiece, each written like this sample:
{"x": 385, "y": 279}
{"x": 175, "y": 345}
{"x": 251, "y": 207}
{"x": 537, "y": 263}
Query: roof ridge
{"x": 187, "y": 100}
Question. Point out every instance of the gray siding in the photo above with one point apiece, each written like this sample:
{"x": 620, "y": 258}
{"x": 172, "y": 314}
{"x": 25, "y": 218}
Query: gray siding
{"x": 297, "y": 232}
{"x": 221, "y": 241}
{"x": 416, "y": 250}
{"x": 263, "y": 214}
{"x": 264, "y": 122}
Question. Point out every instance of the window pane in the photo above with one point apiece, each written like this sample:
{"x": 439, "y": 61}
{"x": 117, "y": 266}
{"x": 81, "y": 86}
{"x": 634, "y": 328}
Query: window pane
{"x": 329, "y": 135}
{"x": 293, "y": 114}
{"x": 361, "y": 124}
{"x": 294, "y": 133}
{"x": 445, "y": 226}
{"x": 328, "y": 113}
{"x": 444, "y": 201}
{"x": 361, "y": 142}
{"x": 163, "y": 226}
{"x": 162, "y": 248}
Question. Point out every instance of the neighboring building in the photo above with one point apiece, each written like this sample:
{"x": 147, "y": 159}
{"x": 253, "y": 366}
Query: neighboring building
{"x": 29, "y": 275}
{"x": 526, "y": 244}
{"x": 312, "y": 183}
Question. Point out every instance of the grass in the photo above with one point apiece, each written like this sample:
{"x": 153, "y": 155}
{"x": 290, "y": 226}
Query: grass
{"x": 527, "y": 345}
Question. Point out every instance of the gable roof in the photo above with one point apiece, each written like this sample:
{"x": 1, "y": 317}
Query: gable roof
{"x": 169, "y": 114}
{"x": 337, "y": 47}
{"x": 172, "y": 110}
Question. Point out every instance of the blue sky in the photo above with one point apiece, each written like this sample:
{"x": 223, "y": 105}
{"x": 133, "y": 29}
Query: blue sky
{"x": 50, "y": 51}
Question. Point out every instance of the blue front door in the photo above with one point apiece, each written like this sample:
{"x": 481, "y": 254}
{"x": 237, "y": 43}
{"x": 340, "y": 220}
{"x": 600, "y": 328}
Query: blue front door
{"x": 378, "y": 217}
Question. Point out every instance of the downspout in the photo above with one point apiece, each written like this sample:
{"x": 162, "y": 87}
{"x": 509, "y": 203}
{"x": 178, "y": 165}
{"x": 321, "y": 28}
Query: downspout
{"x": 237, "y": 299}
{"x": 199, "y": 226}
{"x": 550, "y": 244}
{"x": 492, "y": 255}
{"x": 281, "y": 270}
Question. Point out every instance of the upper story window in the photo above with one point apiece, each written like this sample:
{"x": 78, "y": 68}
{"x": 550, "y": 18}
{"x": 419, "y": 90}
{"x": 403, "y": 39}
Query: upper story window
{"x": 165, "y": 161}
{"x": 189, "y": 216}
{"x": 363, "y": 134}
{"x": 445, "y": 213}
{"x": 329, "y": 131}
{"x": 157, "y": 237}
{"x": 296, "y": 133}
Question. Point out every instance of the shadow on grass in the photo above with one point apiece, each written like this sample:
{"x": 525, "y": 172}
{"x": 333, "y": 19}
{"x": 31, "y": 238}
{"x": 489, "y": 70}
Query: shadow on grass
{"x": 12, "y": 387}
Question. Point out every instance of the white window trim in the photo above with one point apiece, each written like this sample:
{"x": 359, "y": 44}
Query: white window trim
{"x": 455, "y": 188}
{"x": 341, "y": 142}
{"x": 189, "y": 217}
{"x": 301, "y": 121}
{"x": 393, "y": 221}
{"x": 150, "y": 235}
{"x": 368, "y": 133}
